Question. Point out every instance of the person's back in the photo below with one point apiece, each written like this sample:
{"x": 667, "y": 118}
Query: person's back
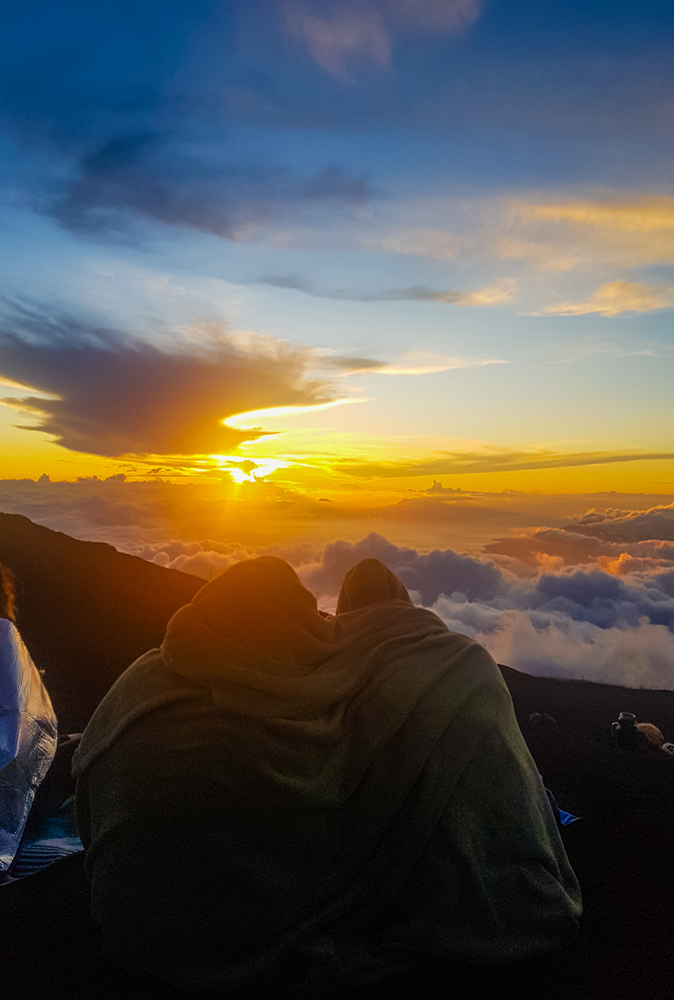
{"x": 276, "y": 786}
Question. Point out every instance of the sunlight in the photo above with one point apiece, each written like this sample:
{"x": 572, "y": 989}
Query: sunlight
{"x": 248, "y": 470}
{"x": 240, "y": 421}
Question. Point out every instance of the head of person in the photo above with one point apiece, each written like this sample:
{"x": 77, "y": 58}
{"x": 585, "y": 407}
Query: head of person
{"x": 7, "y": 595}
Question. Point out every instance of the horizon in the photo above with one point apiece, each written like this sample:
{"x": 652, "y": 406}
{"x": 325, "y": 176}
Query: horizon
{"x": 333, "y": 278}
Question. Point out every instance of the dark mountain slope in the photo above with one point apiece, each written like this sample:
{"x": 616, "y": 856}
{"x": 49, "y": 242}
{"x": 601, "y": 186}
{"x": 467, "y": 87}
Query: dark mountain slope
{"x": 586, "y": 708}
{"x": 85, "y": 611}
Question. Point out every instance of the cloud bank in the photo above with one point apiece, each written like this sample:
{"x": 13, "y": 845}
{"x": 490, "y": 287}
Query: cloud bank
{"x": 590, "y": 597}
{"x": 602, "y": 620}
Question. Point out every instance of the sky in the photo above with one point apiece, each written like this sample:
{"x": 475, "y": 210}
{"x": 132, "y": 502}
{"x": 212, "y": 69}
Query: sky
{"x": 304, "y": 273}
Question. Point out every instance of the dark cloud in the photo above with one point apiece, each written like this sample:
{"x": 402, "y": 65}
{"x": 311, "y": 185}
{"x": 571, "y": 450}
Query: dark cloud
{"x": 415, "y": 293}
{"x": 126, "y": 124}
{"x": 145, "y": 175}
{"x": 116, "y": 396}
{"x": 430, "y": 574}
{"x": 439, "y": 489}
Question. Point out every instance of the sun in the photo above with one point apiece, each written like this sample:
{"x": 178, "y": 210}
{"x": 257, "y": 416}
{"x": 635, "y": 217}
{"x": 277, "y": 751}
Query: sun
{"x": 248, "y": 470}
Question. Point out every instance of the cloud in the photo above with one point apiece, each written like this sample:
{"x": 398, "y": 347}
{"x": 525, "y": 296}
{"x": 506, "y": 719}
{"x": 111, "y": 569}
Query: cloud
{"x": 424, "y": 363}
{"x": 111, "y": 395}
{"x": 623, "y": 543}
{"x": 408, "y": 363}
{"x": 143, "y": 174}
{"x": 639, "y": 656}
{"x": 619, "y": 231}
{"x": 560, "y": 624}
{"x": 615, "y": 297}
{"x": 628, "y": 526}
{"x": 489, "y": 296}
{"x": 337, "y": 33}
{"x": 622, "y": 228}
{"x": 205, "y": 559}
{"x": 489, "y": 459}
{"x": 642, "y": 215}
{"x": 569, "y": 546}
{"x": 610, "y": 617}
{"x": 429, "y": 574}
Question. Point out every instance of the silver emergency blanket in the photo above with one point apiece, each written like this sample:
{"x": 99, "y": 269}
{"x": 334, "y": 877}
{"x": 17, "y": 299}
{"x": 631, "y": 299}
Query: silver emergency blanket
{"x": 28, "y": 734}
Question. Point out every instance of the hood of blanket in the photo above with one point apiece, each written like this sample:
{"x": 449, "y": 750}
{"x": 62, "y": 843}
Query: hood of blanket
{"x": 368, "y": 583}
{"x": 310, "y": 689}
{"x": 256, "y": 638}
{"x": 255, "y": 615}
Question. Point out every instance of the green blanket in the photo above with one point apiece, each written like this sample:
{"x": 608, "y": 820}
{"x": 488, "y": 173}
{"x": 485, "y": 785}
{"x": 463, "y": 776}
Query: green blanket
{"x": 275, "y": 789}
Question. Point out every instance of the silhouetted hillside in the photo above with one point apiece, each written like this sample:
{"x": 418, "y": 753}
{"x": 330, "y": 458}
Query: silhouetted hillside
{"x": 586, "y": 708}
{"x": 86, "y": 611}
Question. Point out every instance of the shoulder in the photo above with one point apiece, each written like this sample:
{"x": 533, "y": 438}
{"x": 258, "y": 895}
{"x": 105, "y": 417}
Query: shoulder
{"x": 144, "y": 687}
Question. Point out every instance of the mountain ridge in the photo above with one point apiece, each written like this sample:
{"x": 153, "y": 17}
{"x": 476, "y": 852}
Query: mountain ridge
{"x": 85, "y": 610}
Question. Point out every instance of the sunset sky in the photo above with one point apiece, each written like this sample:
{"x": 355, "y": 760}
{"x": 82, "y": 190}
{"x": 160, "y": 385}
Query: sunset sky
{"x": 356, "y": 254}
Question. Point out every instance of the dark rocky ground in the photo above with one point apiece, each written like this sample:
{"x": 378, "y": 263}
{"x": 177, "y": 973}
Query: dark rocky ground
{"x": 87, "y": 612}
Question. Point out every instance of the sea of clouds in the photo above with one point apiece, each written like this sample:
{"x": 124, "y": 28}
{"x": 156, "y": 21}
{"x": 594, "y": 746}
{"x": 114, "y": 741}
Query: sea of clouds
{"x": 591, "y": 598}
{"x": 605, "y": 613}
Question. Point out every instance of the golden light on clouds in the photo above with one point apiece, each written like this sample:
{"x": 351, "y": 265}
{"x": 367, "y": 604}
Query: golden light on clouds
{"x": 412, "y": 363}
{"x": 615, "y": 297}
{"x": 642, "y": 215}
{"x": 623, "y": 229}
{"x": 242, "y": 421}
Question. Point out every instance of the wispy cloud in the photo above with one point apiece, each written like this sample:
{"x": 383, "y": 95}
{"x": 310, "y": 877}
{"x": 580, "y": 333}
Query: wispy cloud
{"x": 489, "y": 460}
{"x": 616, "y": 229}
{"x": 621, "y": 228}
{"x": 496, "y": 294}
{"x": 135, "y": 175}
{"x": 641, "y": 215}
{"x": 616, "y": 297}
{"x": 337, "y": 33}
{"x": 418, "y": 363}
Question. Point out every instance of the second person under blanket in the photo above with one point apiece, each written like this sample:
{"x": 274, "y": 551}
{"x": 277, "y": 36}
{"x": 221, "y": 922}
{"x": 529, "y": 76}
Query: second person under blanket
{"x": 278, "y": 788}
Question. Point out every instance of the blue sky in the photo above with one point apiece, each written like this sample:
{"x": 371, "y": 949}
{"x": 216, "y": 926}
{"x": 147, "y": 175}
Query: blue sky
{"x": 347, "y": 278}
{"x": 473, "y": 198}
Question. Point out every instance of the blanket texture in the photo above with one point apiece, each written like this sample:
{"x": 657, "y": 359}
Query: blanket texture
{"x": 280, "y": 792}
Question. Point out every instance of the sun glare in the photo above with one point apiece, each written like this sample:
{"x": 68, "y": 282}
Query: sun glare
{"x": 248, "y": 470}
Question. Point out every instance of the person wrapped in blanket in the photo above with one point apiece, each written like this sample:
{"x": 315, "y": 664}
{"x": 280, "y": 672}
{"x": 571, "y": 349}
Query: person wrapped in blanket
{"x": 281, "y": 794}
{"x": 28, "y": 729}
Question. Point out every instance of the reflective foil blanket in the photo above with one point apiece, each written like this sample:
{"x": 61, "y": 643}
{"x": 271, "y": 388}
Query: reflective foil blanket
{"x": 28, "y": 736}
